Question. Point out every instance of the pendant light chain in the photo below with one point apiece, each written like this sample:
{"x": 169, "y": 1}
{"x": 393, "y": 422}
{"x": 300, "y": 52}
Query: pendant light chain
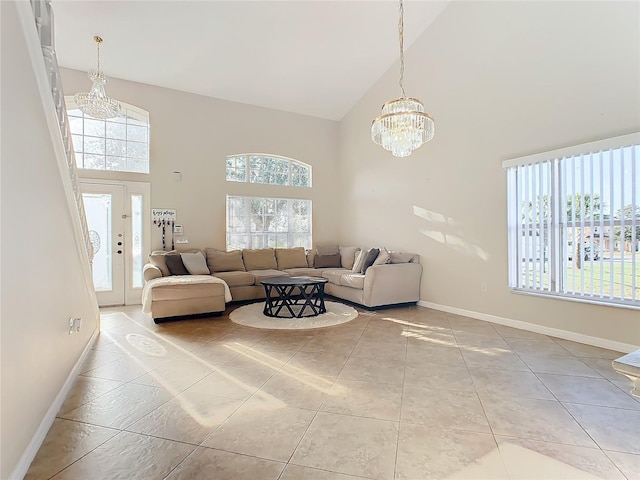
{"x": 401, "y": 34}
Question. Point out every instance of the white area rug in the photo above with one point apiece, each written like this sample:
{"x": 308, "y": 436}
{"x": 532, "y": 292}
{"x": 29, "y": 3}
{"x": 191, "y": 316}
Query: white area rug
{"x": 251, "y": 316}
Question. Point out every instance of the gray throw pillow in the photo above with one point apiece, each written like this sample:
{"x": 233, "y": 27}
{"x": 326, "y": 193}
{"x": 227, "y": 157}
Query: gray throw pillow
{"x": 372, "y": 254}
{"x": 175, "y": 265}
{"x": 327, "y": 261}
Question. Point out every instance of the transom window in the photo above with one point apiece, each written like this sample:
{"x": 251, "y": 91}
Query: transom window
{"x": 268, "y": 169}
{"x": 118, "y": 144}
{"x": 257, "y": 222}
{"x": 574, "y": 222}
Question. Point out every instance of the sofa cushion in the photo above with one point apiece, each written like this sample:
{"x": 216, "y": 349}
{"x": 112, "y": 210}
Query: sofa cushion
{"x": 348, "y": 256}
{"x": 225, "y": 261}
{"x": 357, "y": 265}
{"x": 401, "y": 257}
{"x": 157, "y": 258}
{"x": 236, "y": 279}
{"x": 327, "y": 261}
{"x": 303, "y": 272}
{"x": 268, "y": 273}
{"x": 334, "y": 276}
{"x": 353, "y": 280}
{"x": 174, "y": 264}
{"x": 372, "y": 254}
{"x": 291, "y": 258}
{"x": 195, "y": 263}
{"x": 262, "y": 259}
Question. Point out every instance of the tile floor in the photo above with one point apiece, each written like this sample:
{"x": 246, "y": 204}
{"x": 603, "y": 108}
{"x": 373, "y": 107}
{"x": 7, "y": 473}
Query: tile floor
{"x": 407, "y": 393}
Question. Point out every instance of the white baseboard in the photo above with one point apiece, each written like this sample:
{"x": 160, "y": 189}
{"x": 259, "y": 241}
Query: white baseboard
{"x": 532, "y": 327}
{"x": 36, "y": 442}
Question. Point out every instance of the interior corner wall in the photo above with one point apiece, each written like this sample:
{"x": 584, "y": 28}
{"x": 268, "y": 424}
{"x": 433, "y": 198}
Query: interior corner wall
{"x": 41, "y": 277}
{"x": 502, "y": 80}
{"x": 193, "y": 134}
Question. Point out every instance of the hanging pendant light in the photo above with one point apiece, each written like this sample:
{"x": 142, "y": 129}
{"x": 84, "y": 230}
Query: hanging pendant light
{"x": 403, "y": 125}
{"x": 95, "y": 103}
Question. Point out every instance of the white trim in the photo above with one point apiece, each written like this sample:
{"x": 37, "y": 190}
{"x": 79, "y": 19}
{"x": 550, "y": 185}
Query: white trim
{"x": 584, "y": 148}
{"x": 532, "y": 327}
{"x": 47, "y": 421}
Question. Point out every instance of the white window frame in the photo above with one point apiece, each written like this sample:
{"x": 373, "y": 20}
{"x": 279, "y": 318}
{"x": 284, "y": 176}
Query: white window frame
{"x": 235, "y": 173}
{"x": 238, "y": 226}
{"x": 127, "y": 111}
{"x": 539, "y": 187}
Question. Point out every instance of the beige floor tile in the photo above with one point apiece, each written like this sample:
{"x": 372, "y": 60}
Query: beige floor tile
{"x": 315, "y": 363}
{"x": 435, "y": 453}
{"x": 260, "y": 358}
{"x": 120, "y": 407}
{"x": 232, "y": 382}
{"x": 559, "y": 365}
{"x": 499, "y": 358}
{"x": 509, "y": 383}
{"x": 476, "y": 327}
{"x": 364, "y": 399}
{"x": 208, "y": 464}
{"x": 65, "y": 443}
{"x": 124, "y": 370}
{"x": 189, "y": 417}
{"x": 296, "y": 472}
{"x": 444, "y": 408}
{"x": 582, "y": 350}
{"x": 544, "y": 420}
{"x": 448, "y": 377}
{"x": 628, "y": 464}
{"x": 474, "y": 341}
{"x": 331, "y": 345}
{"x": 296, "y": 390}
{"x": 384, "y": 335}
{"x": 526, "y": 346}
{"x": 86, "y": 389}
{"x": 603, "y": 367}
{"x": 262, "y": 428}
{"x": 532, "y": 460}
{"x": 590, "y": 391}
{"x": 427, "y": 354}
{"x": 432, "y": 338}
{"x": 351, "y": 445}
{"x": 285, "y": 341}
{"x": 176, "y": 376}
{"x": 381, "y": 351}
{"x": 612, "y": 428}
{"x": 364, "y": 370}
{"x": 130, "y": 456}
{"x": 510, "y": 332}
{"x": 217, "y": 355}
{"x": 100, "y": 358}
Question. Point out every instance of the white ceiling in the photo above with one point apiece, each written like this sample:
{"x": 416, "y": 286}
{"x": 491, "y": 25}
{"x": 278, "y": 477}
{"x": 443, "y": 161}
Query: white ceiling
{"x": 316, "y": 58}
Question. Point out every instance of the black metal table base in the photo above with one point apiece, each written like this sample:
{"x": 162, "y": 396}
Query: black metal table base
{"x": 294, "y": 301}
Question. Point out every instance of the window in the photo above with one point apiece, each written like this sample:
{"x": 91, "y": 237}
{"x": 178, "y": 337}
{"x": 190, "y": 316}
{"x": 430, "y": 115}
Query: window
{"x": 574, "y": 222}
{"x": 268, "y": 169}
{"x": 255, "y": 222}
{"x": 118, "y": 144}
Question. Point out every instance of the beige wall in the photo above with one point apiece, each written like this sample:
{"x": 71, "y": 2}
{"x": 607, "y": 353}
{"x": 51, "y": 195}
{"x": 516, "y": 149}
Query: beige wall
{"x": 502, "y": 79}
{"x": 193, "y": 134}
{"x": 42, "y": 284}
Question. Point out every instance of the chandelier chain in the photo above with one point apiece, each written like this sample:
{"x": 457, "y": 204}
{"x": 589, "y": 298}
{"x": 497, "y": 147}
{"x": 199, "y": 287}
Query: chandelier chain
{"x": 401, "y": 35}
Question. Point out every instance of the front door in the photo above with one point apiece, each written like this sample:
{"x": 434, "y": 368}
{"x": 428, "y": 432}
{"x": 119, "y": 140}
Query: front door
{"x": 119, "y": 234}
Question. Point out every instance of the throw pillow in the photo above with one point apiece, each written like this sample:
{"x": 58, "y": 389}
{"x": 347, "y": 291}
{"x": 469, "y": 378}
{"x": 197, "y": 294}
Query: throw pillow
{"x": 327, "y": 261}
{"x": 327, "y": 249}
{"x": 218, "y": 261}
{"x": 372, "y": 254}
{"x": 348, "y": 256}
{"x": 174, "y": 264}
{"x": 195, "y": 263}
{"x": 383, "y": 257}
{"x": 157, "y": 258}
{"x": 357, "y": 265}
{"x": 262, "y": 259}
{"x": 291, "y": 258}
{"x": 401, "y": 257}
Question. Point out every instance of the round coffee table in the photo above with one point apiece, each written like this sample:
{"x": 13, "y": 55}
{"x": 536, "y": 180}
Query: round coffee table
{"x": 294, "y": 297}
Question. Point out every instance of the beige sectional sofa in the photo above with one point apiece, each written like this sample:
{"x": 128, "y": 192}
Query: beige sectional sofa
{"x": 369, "y": 277}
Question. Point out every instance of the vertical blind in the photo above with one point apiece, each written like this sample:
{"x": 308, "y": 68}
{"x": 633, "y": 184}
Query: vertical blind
{"x": 574, "y": 222}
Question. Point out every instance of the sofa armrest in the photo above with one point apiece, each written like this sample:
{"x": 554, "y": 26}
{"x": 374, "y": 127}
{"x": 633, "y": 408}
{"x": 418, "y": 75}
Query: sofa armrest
{"x": 392, "y": 283}
{"x": 150, "y": 271}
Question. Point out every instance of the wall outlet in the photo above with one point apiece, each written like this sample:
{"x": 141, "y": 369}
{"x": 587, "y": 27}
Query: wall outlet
{"x": 74, "y": 325}
{"x": 483, "y": 287}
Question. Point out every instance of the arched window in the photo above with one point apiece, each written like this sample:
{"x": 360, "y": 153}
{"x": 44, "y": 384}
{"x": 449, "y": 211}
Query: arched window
{"x": 268, "y": 169}
{"x": 118, "y": 144}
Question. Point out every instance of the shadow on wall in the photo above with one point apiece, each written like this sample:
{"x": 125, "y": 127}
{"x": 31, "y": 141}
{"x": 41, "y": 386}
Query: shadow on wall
{"x": 447, "y": 231}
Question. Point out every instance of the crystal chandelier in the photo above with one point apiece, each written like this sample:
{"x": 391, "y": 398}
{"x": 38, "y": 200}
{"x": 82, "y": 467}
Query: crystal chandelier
{"x": 95, "y": 103}
{"x": 403, "y": 125}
